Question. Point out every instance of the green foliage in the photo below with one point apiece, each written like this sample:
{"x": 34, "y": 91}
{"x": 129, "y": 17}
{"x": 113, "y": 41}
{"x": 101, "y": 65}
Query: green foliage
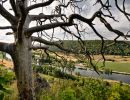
{"x": 107, "y": 71}
{"x": 94, "y": 47}
{"x": 43, "y": 61}
{"x": 6, "y": 77}
{"x": 1, "y": 56}
{"x": 67, "y": 94}
{"x": 53, "y": 71}
{"x": 120, "y": 92}
{"x": 86, "y": 89}
{"x": 96, "y": 90}
{"x": 116, "y": 66}
{"x": 7, "y": 74}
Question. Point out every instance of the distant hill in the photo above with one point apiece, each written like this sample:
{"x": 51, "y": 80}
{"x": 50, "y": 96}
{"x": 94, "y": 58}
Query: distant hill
{"x": 94, "y": 46}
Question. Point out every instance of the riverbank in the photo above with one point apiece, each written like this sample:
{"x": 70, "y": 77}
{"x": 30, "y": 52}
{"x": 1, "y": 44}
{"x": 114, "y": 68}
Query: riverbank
{"x": 117, "y": 72}
{"x": 113, "y": 76}
{"x": 116, "y": 63}
{"x": 102, "y": 71}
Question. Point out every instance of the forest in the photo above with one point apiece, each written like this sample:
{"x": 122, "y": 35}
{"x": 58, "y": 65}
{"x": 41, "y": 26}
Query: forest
{"x": 94, "y": 47}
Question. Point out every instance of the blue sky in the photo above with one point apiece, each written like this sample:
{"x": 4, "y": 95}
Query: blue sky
{"x": 122, "y": 25}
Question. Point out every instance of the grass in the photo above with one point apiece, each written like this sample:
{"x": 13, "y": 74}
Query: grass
{"x": 117, "y": 66}
{"x": 85, "y": 87}
{"x": 59, "y": 85}
{"x": 1, "y": 56}
{"x": 14, "y": 92}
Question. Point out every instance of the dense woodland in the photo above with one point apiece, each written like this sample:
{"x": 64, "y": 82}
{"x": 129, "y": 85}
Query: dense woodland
{"x": 94, "y": 47}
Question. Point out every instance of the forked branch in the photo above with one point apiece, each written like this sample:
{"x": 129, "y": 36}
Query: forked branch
{"x": 7, "y": 15}
{"x": 5, "y": 27}
{"x": 41, "y": 40}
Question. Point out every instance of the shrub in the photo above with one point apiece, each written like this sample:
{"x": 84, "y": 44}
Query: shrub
{"x": 67, "y": 94}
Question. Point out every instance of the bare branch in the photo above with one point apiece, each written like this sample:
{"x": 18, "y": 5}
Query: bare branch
{"x": 116, "y": 3}
{"x": 103, "y": 5}
{"x": 109, "y": 27}
{"x": 68, "y": 31}
{"x": 39, "y": 47}
{"x": 7, "y": 15}
{"x": 6, "y": 27}
{"x": 102, "y": 46}
{"x": 123, "y": 11}
{"x": 13, "y": 5}
{"x": 39, "y": 39}
{"x": 7, "y": 47}
{"x": 42, "y": 16}
{"x": 4, "y": 1}
{"x": 9, "y": 33}
{"x": 39, "y": 5}
{"x": 59, "y": 24}
{"x": 45, "y": 27}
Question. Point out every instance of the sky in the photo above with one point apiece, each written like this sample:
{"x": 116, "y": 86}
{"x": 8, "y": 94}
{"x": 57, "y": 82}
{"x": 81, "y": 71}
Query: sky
{"x": 88, "y": 10}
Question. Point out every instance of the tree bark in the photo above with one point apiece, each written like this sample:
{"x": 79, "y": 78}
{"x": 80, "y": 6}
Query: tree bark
{"x": 23, "y": 69}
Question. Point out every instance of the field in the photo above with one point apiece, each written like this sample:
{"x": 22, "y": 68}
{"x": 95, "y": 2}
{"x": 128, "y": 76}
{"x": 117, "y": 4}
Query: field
{"x": 116, "y": 63}
{"x": 118, "y": 66}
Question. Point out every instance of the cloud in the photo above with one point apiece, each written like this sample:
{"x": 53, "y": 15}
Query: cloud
{"x": 88, "y": 11}
{"x": 123, "y": 24}
{"x": 6, "y": 38}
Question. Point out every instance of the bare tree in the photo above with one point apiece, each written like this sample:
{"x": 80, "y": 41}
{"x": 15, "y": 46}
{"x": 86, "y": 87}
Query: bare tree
{"x": 66, "y": 15}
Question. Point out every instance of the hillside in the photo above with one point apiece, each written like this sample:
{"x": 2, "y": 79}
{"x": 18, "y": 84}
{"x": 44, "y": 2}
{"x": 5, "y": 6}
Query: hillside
{"x": 94, "y": 46}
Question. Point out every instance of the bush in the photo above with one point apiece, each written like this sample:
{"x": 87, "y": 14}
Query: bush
{"x": 87, "y": 89}
{"x": 52, "y": 71}
{"x": 67, "y": 94}
{"x": 6, "y": 77}
{"x": 120, "y": 92}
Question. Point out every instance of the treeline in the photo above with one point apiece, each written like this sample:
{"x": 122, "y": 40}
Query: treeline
{"x": 94, "y": 47}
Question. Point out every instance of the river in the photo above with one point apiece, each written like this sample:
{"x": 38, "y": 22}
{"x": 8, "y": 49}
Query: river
{"x": 113, "y": 76}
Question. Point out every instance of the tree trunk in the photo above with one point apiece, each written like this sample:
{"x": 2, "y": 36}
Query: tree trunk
{"x": 23, "y": 69}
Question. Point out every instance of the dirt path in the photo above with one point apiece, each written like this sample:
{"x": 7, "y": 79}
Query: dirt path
{"x": 8, "y": 64}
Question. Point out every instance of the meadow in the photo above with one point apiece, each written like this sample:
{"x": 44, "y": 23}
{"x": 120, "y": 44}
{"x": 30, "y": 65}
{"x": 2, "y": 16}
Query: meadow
{"x": 118, "y": 66}
{"x": 114, "y": 63}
